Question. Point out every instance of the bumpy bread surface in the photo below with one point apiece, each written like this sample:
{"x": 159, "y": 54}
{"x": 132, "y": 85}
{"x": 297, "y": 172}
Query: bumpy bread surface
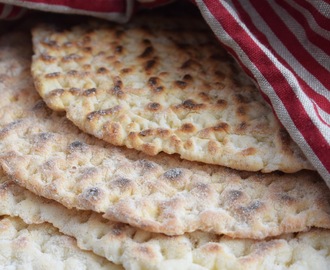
{"x": 158, "y": 88}
{"x": 141, "y": 250}
{"x": 42, "y": 151}
{"x": 43, "y": 247}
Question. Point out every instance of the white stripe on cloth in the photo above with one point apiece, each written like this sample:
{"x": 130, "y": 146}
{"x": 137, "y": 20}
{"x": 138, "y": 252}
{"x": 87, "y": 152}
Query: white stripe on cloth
{"x": 300, "y": 33}
{"x": 282, "y": 51}
{"x": 324, "y": 117}
{"x": 311, "y": 21}
{"x": 10, "y": 12}
{"x": 112, "y": 16}
{"x": 21, "y": 13}
{"x": 265, "y": 86}
{"x": 307, "y": 103}
{"x": 323, "y": 7}
{"x": 6, "y": 11}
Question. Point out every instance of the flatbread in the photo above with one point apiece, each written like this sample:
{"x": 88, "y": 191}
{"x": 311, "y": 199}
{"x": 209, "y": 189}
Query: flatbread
{"x": 138, "y": 249}
{"x": 42, "y": 151}
{"x": 42, "y": 247}
{"x": 159, "y": 88}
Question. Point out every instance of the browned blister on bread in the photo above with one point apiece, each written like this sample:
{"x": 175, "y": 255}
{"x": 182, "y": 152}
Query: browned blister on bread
{"x": 44, "y": 152}
{"x": 159, "y": 88}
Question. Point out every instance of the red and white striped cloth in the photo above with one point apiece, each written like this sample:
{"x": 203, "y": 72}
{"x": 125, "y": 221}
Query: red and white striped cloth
{"x": 284, "y": 45}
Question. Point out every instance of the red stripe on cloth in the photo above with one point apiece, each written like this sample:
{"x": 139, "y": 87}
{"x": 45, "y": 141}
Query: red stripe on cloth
{"x": 94, "y": 5}
{"x": 2, "y": 6}
{"x": 312, "y": 36}
{"x": 322, "y": 102}
{"x": 14, "y": 13}
{"x": 319, "y": 115}
{"x": 5, "y": 9}
{"x": 154, "y": 3}
{"x": 320, "y": 19}
{"x": 290, "y": 41}
{"x": 276, "y": 79}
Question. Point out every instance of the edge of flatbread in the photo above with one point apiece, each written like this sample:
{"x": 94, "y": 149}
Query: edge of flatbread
{"x": 137, "y": 249}
{"x": 41, "y": 246}
{"x": 155, "y": 88}
{"x": 42, "y": 151}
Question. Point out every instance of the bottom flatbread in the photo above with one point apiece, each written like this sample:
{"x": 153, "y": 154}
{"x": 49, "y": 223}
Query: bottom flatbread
{"x": 137, "y": 249}
{"x": 43, "y": 247}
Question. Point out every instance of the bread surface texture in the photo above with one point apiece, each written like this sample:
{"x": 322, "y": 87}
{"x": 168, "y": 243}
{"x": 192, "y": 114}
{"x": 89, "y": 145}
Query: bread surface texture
{"x": 44, "y": 152}
{"x": 141, "y": 250}
{"x": 156, "y": 87}
{"x": 42, "y": 246}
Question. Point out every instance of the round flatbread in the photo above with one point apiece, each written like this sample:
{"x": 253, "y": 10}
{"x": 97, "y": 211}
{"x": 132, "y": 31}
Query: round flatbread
{"x": 44, "y": 152}
{"x": 138, "y": 249}
{"x": 161, "y": 88}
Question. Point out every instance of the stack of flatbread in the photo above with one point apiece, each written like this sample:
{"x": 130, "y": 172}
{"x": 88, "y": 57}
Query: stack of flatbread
{"x": 145, "y": 146}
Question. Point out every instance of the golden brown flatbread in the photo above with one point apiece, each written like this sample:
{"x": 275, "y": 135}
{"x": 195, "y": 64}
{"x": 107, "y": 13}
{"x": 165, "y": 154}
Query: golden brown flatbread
{"x": 138, "y": 249}
{"x": 43, "y": 247}
{"x": 160, "y": 88}
{"x": 42, "y": 151}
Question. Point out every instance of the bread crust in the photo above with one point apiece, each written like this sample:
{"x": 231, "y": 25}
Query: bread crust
{"x": 44, "y": 152}
{"x": 138, "y": 249}
{"x": 42, "y": 246}
{"x": 161, "y": 89}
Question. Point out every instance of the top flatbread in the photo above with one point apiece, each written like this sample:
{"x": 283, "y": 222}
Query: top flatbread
{"x": 48, "y": 155}
{"x": 158, "y": 88}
